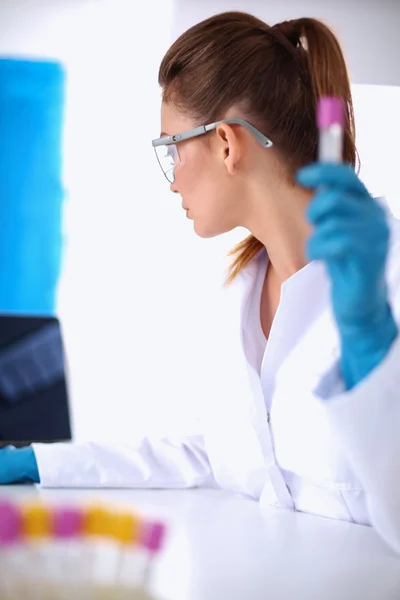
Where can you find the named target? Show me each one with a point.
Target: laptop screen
(33, 384)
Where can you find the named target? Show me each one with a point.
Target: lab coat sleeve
(366, 421)
(151, 463)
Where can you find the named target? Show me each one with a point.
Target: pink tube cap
(10, 524)
(67, 523)
(153, 536)
(330, 111)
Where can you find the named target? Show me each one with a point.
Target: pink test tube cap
(67, 522)
(153, 536)
(10, 524)
(330, 111)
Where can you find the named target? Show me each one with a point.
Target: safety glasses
(167, 151)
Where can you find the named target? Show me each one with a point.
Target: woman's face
(211, 194)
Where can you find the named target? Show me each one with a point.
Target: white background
(137, 287)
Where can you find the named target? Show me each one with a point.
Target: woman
(314, 426)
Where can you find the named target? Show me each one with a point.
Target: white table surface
(222, 547)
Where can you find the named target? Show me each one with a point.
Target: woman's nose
(173, 188)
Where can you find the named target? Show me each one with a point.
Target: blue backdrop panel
(31, 195)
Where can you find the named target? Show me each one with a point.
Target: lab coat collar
(303, 296)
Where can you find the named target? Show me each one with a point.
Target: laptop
(34, 403)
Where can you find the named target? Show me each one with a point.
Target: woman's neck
(279, 223)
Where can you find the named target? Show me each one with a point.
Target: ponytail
(328, 74)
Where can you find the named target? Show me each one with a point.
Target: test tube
(36, 532)
(152, 539)
(10, 556)
(67, 551)
(330, 121)
(125, 533)
(99, 555)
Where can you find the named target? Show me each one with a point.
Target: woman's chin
(204, 231)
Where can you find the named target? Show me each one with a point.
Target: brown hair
(276, 74)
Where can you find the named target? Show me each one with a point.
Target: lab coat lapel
(304, 297)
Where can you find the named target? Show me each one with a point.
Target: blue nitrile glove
(18, 465)
(351, 237)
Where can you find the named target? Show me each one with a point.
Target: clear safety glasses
(168, 157)
(167, 151)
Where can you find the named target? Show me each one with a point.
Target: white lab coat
(294, 438)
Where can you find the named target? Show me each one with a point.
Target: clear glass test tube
(330, 121)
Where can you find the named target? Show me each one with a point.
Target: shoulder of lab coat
(366, 419)
(151, 463)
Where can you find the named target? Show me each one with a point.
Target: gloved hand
(18, 465)
(351, 236)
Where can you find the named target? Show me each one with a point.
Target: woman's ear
(229, 144)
